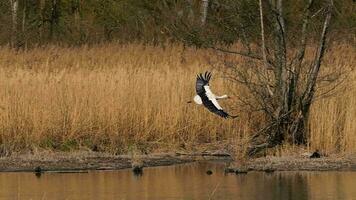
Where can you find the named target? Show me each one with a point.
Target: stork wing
(212, 104)
(207, 97)
(201, 82)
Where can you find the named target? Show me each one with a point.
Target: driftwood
(204, 154)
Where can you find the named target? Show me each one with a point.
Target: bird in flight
(207, 98)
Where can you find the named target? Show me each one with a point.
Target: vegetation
(109, 98)
(26, 23)
(280, 79)
(92, 73)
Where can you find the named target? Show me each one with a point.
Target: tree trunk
(14, 10)
(76, 11)
(190, 10)
(290, 119)
(308, 95)
(204, 11)
(54, 19)
(23, 28)
(41, 5)
(24, 16)
(281, 76)
(263, 36)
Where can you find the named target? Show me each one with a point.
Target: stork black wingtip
(201, 77)
(207, 76)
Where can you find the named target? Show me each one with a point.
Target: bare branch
(306, 18)
(263, 37)
(296, 68)
(309, 91)
(265, 62)
(241, 53)
(317, 12)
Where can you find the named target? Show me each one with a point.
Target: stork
(207, 98)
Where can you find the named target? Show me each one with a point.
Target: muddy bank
(299, 163)
(99, 161)
(85, 161)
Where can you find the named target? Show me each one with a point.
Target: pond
(186, 182)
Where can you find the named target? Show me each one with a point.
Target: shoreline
(62, 162)
(85, 161)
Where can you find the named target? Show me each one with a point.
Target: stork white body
(212, 97)
(206, 97)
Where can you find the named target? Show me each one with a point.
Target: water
(188, 181)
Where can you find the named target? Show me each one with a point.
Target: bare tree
(284, 86)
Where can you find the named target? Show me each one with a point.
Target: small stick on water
(213, 192)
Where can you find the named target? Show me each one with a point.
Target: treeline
(75, 22)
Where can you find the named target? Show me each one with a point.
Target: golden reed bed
(114, 97)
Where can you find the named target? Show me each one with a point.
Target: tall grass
(113, 97)
(333, 118)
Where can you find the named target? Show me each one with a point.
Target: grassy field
(117, 97)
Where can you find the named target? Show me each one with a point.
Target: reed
(113, 97)
(333, 117)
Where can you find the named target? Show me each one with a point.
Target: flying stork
(207, 98)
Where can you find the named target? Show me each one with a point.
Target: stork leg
(222, 97)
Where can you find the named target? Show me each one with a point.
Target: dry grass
(333, 118)
(111, 97)
(114, 97)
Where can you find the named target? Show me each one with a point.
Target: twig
(246, 54)
(213, 192)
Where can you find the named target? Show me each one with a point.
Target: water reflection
(189, 181)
